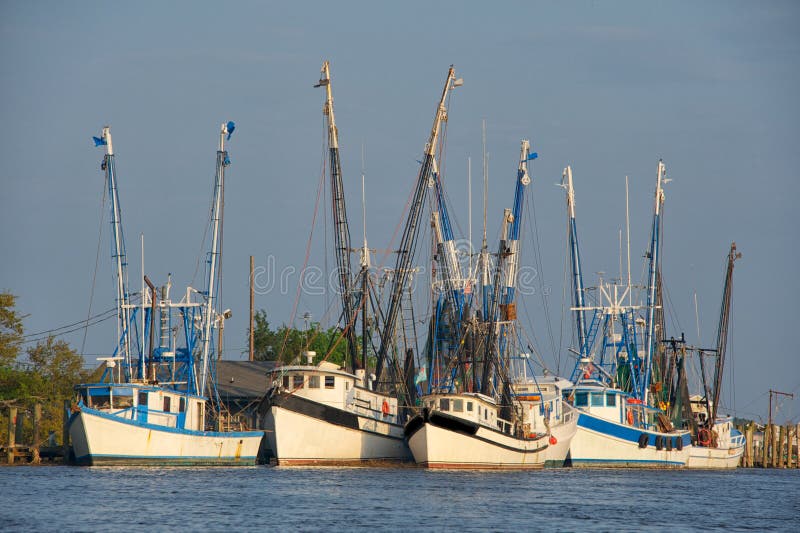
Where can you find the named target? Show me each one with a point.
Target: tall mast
(118, 249)
(722, 331)
(341, 230)
(512, 244)
(216, 222)
(649, 341)
(408, 241)
(445, 242)
(483, 260)
(575, 262)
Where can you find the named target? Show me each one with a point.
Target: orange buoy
(385, 408)
(553, 440)
(630, 417)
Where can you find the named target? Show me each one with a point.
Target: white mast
(215, 222)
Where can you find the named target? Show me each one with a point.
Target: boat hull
(601, 443)
(99, 438)
(303, 432)
(715, 458)
(557, 455)
(456, 447)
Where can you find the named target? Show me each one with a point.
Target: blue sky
(607, 87)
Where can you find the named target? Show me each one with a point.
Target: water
(57, 498)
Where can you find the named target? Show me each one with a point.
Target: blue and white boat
(616, 424)
(151, 406)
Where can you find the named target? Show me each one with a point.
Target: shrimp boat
(617, 427)
(150, 407)
(481, 412)
(544, 409)
(323, 414)
(717, 443)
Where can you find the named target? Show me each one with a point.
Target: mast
(649, 341)
(575, 263)
(216, 223)
(408, 241)
(341, 230)
(483, 258)
(445, 241)
(722, 330)
(117, 250)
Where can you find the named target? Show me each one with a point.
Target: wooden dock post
(779, 447)
(65, 431)
(797, 444)
(765, 446)
(12, 426)
(37, 421)
(789, 435)
(748, 446)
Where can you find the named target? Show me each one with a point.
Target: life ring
(630, 417)
(553, 440)
(643, 440)
(385, 408)
(704, 437)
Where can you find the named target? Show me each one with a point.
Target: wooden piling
(748, 446)
(12, 426)
(779, 447)
(37, 420)
(775, 446)
(65, 431)
(765, 445)
(789, 434)
(797, 444)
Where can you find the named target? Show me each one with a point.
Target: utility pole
(252, 309)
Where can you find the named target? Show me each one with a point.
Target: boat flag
(533, 155)
(98, 141)
(230, 127)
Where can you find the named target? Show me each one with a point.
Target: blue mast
(575, 263)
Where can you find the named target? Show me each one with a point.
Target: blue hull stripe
(598, 462)
(626, 433)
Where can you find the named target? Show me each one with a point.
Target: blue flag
(532, 156)
(230, 126)
(99, 142)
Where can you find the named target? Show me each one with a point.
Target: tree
(58, 364)
(287, 344)
(10, 330)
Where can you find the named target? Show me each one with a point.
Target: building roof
(242, 379)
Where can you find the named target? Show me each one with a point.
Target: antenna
(628, 236)
(469, 217)
(485, 179)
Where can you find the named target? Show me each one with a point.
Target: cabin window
(313, 382)
(444, 404)
(469, 407)
(297, 381)
(611, 399)
(99, 398)
(142, 399)
(330, 382)
(285, 382)
(581, 399)
(597, 399)
(123, 401)
(182, 405)
(167, 404)
(458, 406)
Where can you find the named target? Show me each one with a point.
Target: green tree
(10, 329)
(286, 344)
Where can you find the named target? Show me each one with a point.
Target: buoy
(630, 417)
(553, 440)
(385, 408)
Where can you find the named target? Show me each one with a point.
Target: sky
(606, 87)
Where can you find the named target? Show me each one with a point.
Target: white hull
(301, 439)
(437, 447)
(711, 458)
(556, 454)
(603, 443)
(102, 439)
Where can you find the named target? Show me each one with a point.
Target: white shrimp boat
(465, 431)
(322, 415)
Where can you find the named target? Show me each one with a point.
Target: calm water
(305, 499)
